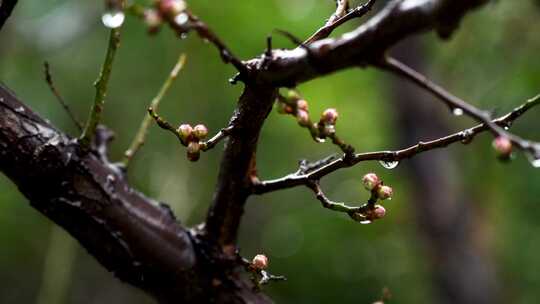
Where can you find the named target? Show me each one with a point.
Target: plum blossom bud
(503, 147)
(302, 104)
(171, 8)
(200, 131)
(371, 181)
(152, 19)
(329, 116)
(260, 262)
(303, 118)
(184, 130)
(379, 212)
(293, 96)
(193, 151)
(384, 192)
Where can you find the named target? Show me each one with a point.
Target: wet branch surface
(138, 238)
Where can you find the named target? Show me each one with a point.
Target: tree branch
(303, 177)
(6, 8)
(457, 105)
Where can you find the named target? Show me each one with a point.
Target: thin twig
(54, 90)
(315, 173)
(204, 145)
(456, 104)
(140, 137)
(334, 23)
(101, 86)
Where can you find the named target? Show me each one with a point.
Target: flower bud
(303, 118)
(185, 131)
(378, 212)
(329, 116)
(503, 147)
(260, 262)
(200, 131)
(371, 181)
(193, 151)
(302, 104)
(293, 96)
(171, 8)
(384, 192)
(152, 19)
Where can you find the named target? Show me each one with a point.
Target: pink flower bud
(185, 131)
(303, 118)
(384, 192)
(193, 151)
(302, 104)
(200, 131)
(260, 262)
(152, 19)
(371, 181)
(329, 116)
(379, 212)
(503, 147)
(171, 8)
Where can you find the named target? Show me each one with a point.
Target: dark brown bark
(134, 237)
(138, 239)
(462, 273)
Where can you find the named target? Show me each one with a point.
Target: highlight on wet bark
(140, 137)
(191, 137)
(101, 85)
(325, 128)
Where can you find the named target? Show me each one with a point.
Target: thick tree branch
(135, 237)
(6, 7)
(238, 164)
(304, 177)
(365, 45)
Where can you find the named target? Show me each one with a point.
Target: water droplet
(457, 111)
(181, 19)
(366, 222)
(113, 19)
(320, 140)
(506, 128)
(466, 136)
(183, 35)
(19, 110)
(535, 161)
(389, 164)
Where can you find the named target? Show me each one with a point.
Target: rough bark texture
(462, 273)
(139, 239)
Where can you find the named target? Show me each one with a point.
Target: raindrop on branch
(457, 111)
(113, 19)
(535, 161)
(389, 164)
(366, 222)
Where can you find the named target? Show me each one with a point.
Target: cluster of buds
(379, 191)
(259, 262)
(294, 104)
(503, 147)
(172, 11)
(192, 137)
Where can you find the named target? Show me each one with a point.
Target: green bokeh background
(492, 61)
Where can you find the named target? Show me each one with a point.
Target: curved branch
(304, 177)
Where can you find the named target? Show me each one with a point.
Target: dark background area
(460, 200)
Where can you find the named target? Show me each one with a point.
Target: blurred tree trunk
(461, 270)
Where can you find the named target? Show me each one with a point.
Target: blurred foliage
(492, 61)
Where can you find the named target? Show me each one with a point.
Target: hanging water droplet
(181, 19)
(535, 161)
(457, 111)
(366, 222)
(183, 35)
(389, 164)
(320, 140)
(113, 19)
(19, 110)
